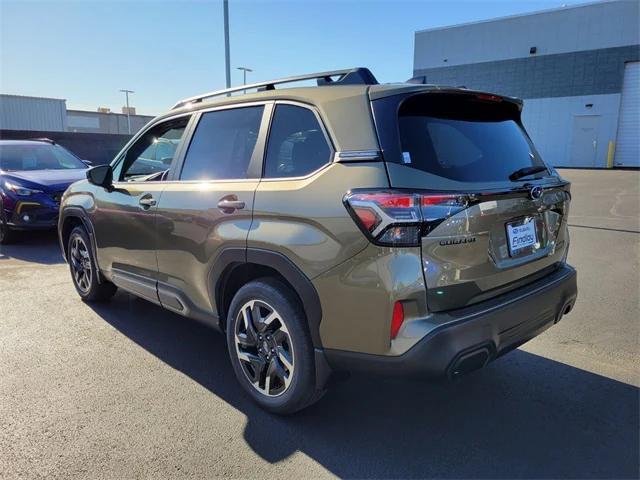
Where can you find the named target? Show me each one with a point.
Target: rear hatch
(500, 221)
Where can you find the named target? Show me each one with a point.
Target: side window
(223, 144)
(297, 145)
(150, 157)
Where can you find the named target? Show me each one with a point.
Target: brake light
(438, 199)
(489, 98)
(397, 319)
(398, 218)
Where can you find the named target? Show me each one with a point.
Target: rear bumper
(469, 338)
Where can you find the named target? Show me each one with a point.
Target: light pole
(244, 74)
(126, 94)
(225, 5)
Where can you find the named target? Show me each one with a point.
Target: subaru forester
(403, 229)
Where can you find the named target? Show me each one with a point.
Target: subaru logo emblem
(535, 193)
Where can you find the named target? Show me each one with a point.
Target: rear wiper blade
(525, 172)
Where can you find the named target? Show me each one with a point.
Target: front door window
(150, 158)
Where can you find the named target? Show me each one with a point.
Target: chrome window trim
(232, 106)
(357, 156)
(206, 181)
(305, 177)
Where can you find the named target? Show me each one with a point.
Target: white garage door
(628, 144)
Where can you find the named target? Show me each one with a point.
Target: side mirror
(88, 163)
(102, 176)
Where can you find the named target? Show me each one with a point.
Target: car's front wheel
(83, 269)
(7, 235)
(270, 347)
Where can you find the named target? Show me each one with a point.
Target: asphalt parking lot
(127, 390)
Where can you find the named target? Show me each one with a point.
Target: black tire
(7, 235)
(80, 256)
(301, 390)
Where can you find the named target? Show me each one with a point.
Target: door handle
(230, 204)
(147, 201)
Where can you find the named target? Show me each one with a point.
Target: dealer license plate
(521, 236)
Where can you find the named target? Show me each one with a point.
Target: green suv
(404, 229)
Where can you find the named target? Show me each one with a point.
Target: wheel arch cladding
(70, 222)
(236, 266)
(70, 219)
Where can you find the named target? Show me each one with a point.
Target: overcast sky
(167, 50)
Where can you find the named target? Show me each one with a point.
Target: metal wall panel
(99, 122)
(628, 143)
(590, 72)
(571, 29)
(32, 113)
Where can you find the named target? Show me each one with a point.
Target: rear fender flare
(285, 267)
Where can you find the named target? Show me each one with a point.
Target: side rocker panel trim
(174, 299)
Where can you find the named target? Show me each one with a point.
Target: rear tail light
(398, 218)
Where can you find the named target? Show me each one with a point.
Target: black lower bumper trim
(32, 226)
(471, 337)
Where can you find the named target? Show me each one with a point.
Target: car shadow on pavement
(522, 416)
(35, 247)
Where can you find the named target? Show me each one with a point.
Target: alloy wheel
(264, 348)
(81, 264)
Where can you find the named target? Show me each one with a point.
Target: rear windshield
(465, 139)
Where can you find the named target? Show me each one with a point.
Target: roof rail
(350, 76)
(43, 139)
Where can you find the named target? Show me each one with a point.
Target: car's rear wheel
(83, 269)
(270, 347)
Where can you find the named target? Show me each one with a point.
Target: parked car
(33, 176)
(403, 229)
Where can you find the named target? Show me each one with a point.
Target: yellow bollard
(612, 149)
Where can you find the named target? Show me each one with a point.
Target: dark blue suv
(33, 176)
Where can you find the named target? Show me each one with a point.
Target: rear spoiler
(488, 96)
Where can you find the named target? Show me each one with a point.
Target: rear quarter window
(297, 145)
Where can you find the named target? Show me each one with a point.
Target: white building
(577, 69)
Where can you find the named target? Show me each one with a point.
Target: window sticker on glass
(488, 206)
(406, 157)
